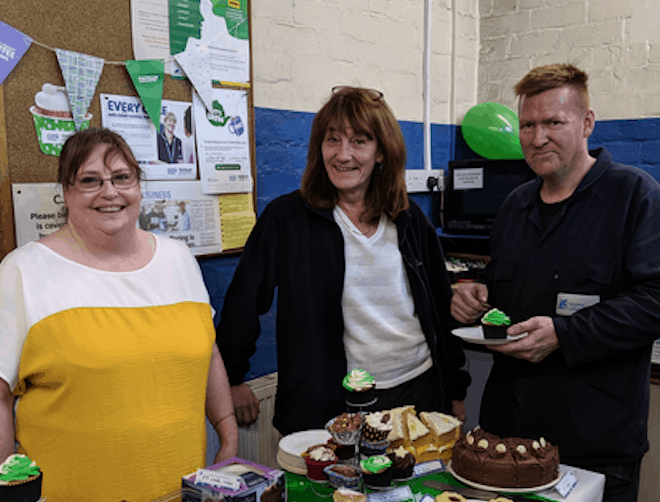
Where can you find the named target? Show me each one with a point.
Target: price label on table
(428, 467)
(396, 495)
(566, 484)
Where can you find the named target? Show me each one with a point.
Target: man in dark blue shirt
(575, 263)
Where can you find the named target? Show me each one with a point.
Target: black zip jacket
(591, 396)
(300, 251)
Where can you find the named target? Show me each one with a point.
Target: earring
(379, 166)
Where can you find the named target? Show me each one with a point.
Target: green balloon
(492, 130)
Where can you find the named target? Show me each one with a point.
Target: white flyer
(180, 211)
(150, 29)
(166, 154)
(223, 142)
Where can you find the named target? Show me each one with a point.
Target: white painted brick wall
(616, 41)
(302, 48)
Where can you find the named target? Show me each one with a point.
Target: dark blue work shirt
(602, 249)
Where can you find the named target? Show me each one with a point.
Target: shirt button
(556, 276)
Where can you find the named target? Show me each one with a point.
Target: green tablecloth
(301, 489)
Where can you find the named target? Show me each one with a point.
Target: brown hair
(79, 146)
(367, 113)
(543, 78)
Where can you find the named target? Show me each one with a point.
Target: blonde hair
(543, 78)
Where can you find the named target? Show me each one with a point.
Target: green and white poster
(223, 142)
(219, 28)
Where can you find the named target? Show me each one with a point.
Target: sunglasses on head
(373, 93)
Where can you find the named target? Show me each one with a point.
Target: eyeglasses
(122, 181)
(373, 93)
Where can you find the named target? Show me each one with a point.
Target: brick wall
(616, 42)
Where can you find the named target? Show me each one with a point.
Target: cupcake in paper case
(20, 480)
(345, 451)
(53, 119)
(360, 387)
(343, 476)
(376, 470)
(494, 324)
(377, 426)
(317, 458)
(370, 448)
(402, 463)
(345, 429)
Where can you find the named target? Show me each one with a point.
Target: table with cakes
(405, 455)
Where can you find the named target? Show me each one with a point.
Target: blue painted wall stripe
(281, 138)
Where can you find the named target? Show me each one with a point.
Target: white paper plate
(291, 447)
(479, 486)
(475, 334)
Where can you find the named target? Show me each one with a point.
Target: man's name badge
(568, 303)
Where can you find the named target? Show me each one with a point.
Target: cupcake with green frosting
(20, 480)
(360, 387)
(376, 470)
(494, 324)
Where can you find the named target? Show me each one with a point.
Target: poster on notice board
(164, 154)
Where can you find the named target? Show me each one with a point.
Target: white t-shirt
(382, 333)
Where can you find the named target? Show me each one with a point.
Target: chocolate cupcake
(376, 470)
(377, 426)
(20, 479)
(345, 451)
(343, 476)
(402, 463)
(346, 428)
(494, 324)
(360, 387)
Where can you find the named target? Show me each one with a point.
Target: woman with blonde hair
(360, 276)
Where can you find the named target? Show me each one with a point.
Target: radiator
(259, 442)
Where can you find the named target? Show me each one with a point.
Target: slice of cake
(417, 434)
(430, 452)
(397, 436)
(445, 428)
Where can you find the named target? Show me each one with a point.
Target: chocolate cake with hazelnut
(512, 462)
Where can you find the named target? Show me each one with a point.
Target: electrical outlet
(417, 180)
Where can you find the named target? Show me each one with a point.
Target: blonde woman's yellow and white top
(110, 370)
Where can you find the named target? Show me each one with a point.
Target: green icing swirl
(357, 380)
(496, 317)
(17, 468)
(375, 464)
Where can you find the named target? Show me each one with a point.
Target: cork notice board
(94, 27)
